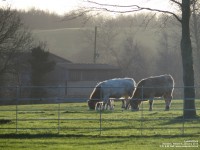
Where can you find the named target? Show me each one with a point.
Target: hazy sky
(62, 6)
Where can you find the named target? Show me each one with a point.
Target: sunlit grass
(74, 126)
(75, 118)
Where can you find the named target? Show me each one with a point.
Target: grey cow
(154, 86)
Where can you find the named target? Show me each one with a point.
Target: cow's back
(117, 87)
(154, 86)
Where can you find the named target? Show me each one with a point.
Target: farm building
(66, 80)
(76, 79)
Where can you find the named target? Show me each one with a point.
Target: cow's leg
(105, 102)
(111, 104)
(123, 103)
(104, 107)
(150, 104)
(127, 103)
(99, 106)
(168, 99)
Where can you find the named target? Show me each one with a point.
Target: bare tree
(187, 61)
(133, 59)
(186, 46)
(195, 23)
(14, 39)
(165, 53)
(169, 59)
(106, 35)
(195, 34)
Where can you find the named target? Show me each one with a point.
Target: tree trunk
(187, 61)
(196, 37)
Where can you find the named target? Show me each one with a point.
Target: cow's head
(92, 104)
(135, 104)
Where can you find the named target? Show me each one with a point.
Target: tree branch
(176, 2)
(132, 8)
(74, 15)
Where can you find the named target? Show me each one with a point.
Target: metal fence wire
(62, 111)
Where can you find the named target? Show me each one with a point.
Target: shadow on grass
(72, 112)
(35, 136)
(181, 119)
(5, 121)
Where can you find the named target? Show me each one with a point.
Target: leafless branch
(176, 2)
(131, 8)
(149, 20)
(74, 15)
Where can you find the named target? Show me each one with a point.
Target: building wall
(76, 83)
(79, 88)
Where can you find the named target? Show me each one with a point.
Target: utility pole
(95, 45)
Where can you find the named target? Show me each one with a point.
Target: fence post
(100, 112)
(183, 119)
(59, 89)
(141, 123)
(183, 125)
(16, 113)
(100, 120)
(58, 117)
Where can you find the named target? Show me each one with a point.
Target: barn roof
(79, 66)
(66, 64)
(58, 59)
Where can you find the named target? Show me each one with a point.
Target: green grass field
(73, 126)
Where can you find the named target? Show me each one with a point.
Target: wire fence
(62, 113)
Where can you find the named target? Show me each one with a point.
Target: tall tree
(195, 34)
(40, 65)
(189, 110)
(14, 39)
(187, 61)
(195, 26)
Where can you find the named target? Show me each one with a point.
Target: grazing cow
(113, 88)
(156, 86)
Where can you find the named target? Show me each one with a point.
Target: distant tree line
(39, 19)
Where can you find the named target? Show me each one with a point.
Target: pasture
(73, 126)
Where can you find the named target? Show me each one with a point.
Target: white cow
(113, 88)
